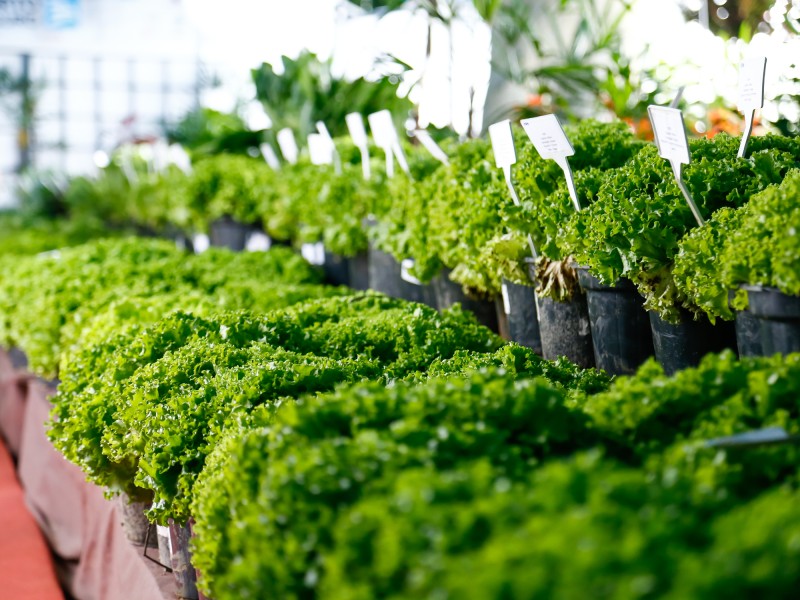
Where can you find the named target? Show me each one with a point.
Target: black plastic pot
(350, 271)
(681, 345)
(227, 233)
(523, 320)
(564, 330)
(748, 334)
(621, 333)
(449, 293)
(336, 269)
(779, 317)
(385, 276)
(359, 271)
(502, 319)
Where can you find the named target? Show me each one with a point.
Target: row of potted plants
(605, 289)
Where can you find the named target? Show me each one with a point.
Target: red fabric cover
(26, 568)
(95, 559)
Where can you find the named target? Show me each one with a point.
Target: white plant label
(751, 83)
(505, 155)
(200, 243)
(751, 95)
(550, 141)
(385, 135)
(180, 158)
(258, 241)
(502, 139)
(670, 135)
(288, 145)
(405, 271)
(323, 131)
(382, 127)
(382, 137)
(431, 146)
(314, 253)
(319, 149)
(269, 156)
(506, 301)
(355, 125)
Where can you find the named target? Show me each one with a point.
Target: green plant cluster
(757, 244)
(24, 236)
(461, 216)
(494, 482)
(140, 410)
(47, 300)
(639, 216)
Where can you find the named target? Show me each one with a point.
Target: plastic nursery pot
(621, 334)
(134, 522)
(779, 319)
(358, 268)
(502, 318)
(227, 233)
(385, 276)
(449, 292)
(564, 327)
(523, 321)
(681, 345)
(181, 561)
(748, 334)
(336, 269)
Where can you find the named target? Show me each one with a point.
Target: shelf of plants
(324, 443)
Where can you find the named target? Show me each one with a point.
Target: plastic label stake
(431, 146)
(405, 271)
(757, 437)
(382, 134)
(506, 301)
(751, 95)
(269, 156)
(672, 145)
(288, 145)
(319, 149)
(337, 162)
(355, 125)
(505, 155)
(550, 141)
(314, 253)
(385, 136)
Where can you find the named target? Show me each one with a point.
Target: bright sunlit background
(102, 72)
